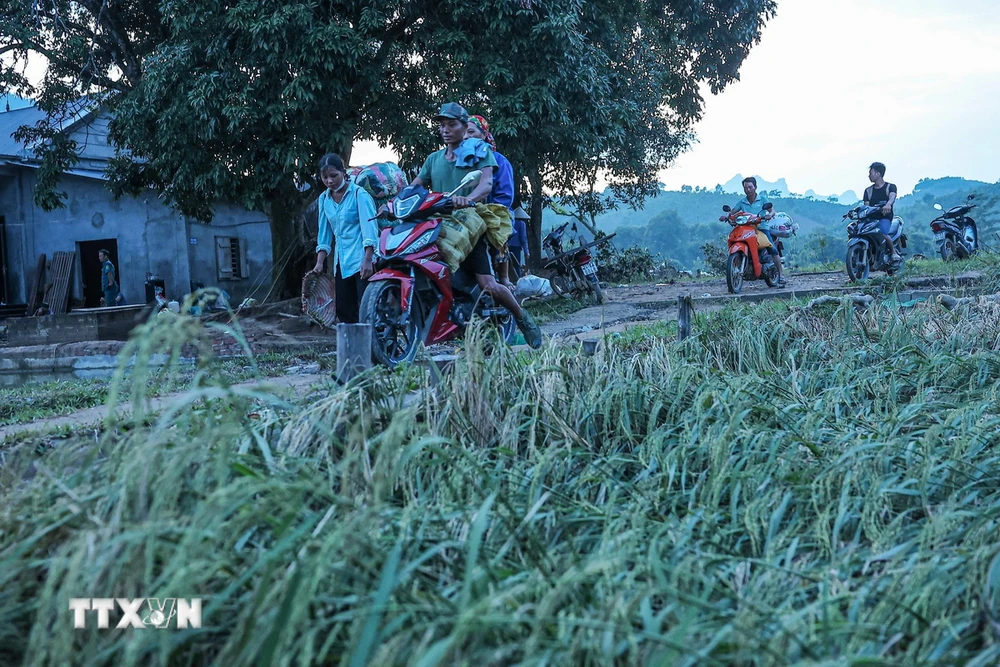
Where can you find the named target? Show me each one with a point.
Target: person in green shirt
(442, 171)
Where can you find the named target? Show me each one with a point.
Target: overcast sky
(835, 86)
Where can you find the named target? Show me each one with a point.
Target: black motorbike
(573, 271)
(866, 249)
(955, 233)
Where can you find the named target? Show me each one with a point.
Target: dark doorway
(90, 269)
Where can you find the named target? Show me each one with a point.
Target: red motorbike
(745, 260)
(413, 297)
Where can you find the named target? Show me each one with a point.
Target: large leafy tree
(91, 49)
(604, 90)
(239, 98)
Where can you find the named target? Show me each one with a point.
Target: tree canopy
(238, 98)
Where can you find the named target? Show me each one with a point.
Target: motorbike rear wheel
(595, 290)
(507, 327)
(949, 250)
(734, 272)
(392, 343)
(769, 272)
(857, 263)
(561, 284)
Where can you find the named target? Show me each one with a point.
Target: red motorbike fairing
(744, 239)
(405, 285)
(401, 241)
(442, 328)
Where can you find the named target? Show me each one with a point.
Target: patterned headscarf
(484, 127)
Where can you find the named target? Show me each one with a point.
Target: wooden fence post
(354, 350)
(684, 309)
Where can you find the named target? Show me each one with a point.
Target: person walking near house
(347, 228)
(109, 282)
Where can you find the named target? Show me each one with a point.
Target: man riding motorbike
(883, 194)
(753, 204)
(443, 171)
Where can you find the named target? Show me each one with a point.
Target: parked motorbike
(413, 297)
(866, 251)
(745, 260)
(955, 233)
(574, 271)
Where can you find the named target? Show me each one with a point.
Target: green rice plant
(787, 485)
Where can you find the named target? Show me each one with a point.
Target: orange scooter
(745, 261)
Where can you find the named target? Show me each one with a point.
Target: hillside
(674, 225)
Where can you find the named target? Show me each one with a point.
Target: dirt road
(628, 305)
(287, 385)
(649, 303)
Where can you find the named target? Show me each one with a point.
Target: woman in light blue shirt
(347, 228)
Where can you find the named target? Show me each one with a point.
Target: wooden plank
(35, 284)
(62, 268)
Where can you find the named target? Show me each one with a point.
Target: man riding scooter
(753, 204)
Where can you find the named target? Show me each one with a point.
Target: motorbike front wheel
(734, 272)
(393, 343)
(857, 262)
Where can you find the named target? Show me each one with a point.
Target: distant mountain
(735, 185)
(942, 187)
(849, 198)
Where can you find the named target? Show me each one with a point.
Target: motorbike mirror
(767, 207)
(472, 176)
(938, 207)
(727, 208)
(971, 197)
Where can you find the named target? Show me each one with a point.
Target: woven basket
(319, 299)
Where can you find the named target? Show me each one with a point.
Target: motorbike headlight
(742, 219)
(404, 207)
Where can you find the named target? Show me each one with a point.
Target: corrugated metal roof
(82, 172)
(9, 122)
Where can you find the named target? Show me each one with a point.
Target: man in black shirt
(883, 194)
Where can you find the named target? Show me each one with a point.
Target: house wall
(233, 221)
(151, 237)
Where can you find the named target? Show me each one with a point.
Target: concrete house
(144, 236)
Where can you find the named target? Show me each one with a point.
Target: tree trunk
(535, 224)
(291, 248)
